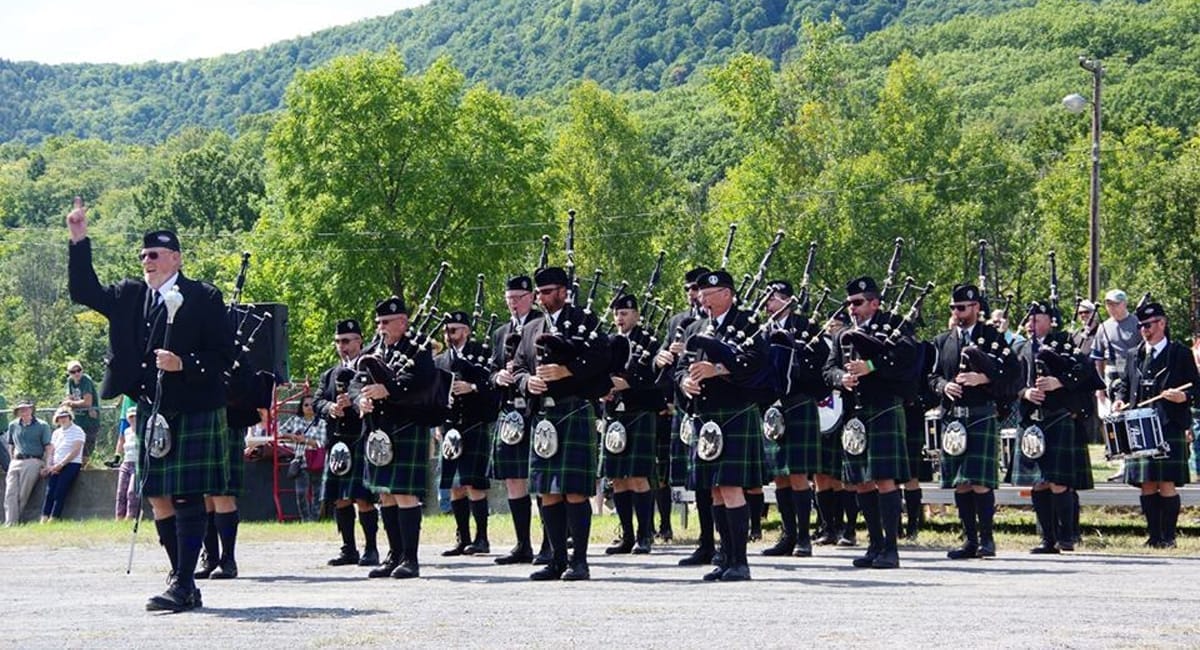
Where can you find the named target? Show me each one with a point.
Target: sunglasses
(959, 307)
(148, 255)
(346, 339)
(1148, 324)
(856, 302)
(75, 371)
(545, 291)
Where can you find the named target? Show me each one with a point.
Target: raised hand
(77, 221)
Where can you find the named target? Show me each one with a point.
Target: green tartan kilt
(1060, 462)
(741, 461)
(198, 462)
(509, 461)
(980, 463)
(572, 469)
(799, 450)
(409, 468)
(638, 458)
(832, 455)
(237, 464)
(1083, 458)
(350, 486)
(662, 448)
(886, 456)
(1172, 469)
(471, 468)
(681, 456)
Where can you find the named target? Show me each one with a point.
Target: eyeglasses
(960, 307)
(152, 255)
(855, 302)
(344, 340)
(1148, 324)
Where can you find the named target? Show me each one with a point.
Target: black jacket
(334, 381)
(749, 379)
(200, 336)
(643, 393)
(1172, 368)
(1077, 374)
(896, 373)
(501, 356)
(472, 408)
(1003, 369)
(587, 360)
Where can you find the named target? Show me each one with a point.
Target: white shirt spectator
(63, 440)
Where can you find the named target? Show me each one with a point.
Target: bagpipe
(247, 388)
(578, 329)
(797, 353)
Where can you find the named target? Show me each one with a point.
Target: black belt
(965, 412)
(28, 457)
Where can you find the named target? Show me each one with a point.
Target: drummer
(1163, 371)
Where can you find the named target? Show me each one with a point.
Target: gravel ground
(287, 597)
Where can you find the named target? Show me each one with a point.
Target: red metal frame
(278, 467)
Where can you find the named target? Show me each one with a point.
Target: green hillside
(515, 46)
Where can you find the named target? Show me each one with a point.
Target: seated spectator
(28, 442)
(304, 431)
(66, 459)
(128, 502)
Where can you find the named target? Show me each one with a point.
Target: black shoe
(911, 536)
(868, 560)
(551, 571)
(370, 557)
(577, 571)
(347, 558)
(408, 569)
(699, 557)
(226, 570)
(174, 599)
(784, 546)
(737, 573)
(967, 551)
(622, 547)
(478, 548)
(754, 536)
(385, 568)
(1045, 548)
(1166, 543)
(642, 547)
(206, 567)
(114, 462)
(665, 535)
(543, 557)
(803, 549)
(715, 574)
(825, 538)
(518, 555)
(457, 549)
(1066, 546)
(987, 548)
(847, 541)
(886, 560)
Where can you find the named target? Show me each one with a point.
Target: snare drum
(1116, 439)
(933, 432)
(1144, 433)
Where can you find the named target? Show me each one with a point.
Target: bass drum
(829, 410)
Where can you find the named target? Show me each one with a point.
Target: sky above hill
(135, 31)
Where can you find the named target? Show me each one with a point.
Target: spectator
(83, 398)
(28, 442)
(304, 431)
(1116, 336)
(128, 502)
(66, 456)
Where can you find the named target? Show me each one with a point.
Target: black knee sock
(554, 519)
(546, 546)
(579, 521)
(479, 512)
(227, 526)
(212, 541)
(462, 520)
(643, 506)
(410, 533)
(623, 503)
(189, 532)
(1074, 514)
(827, 503)
(522, 513)
(889, 515)
(1169, 507)
(965, 502)
(662, 497)
(755, 502)
(345, 525)
(1043, 509)
(1062, 507)
(721, 523)
(704, 513)
(985, 511)
(850, 503)
(169, 541)
(868, 502)
(787, 511)
(390, 516)
(912, 505)
(369, 520)
(737, 524)
(802, 502)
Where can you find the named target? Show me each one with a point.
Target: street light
(1076, 103)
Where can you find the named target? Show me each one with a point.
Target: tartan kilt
(350, 486)
(680, 474)
(799, 450)
(1083, 438)
(741, 461)
(980, 463)
(409, 468)
(641, 440)
(1173, 468)
(886, 456)
(471, 468)
(662, 449)
(198, 462)
(832, 455)
(509, 461)
(572, 469)
(914, 436)
(1060, 462)
(237, 464)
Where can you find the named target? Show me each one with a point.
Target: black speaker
(264, 332)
